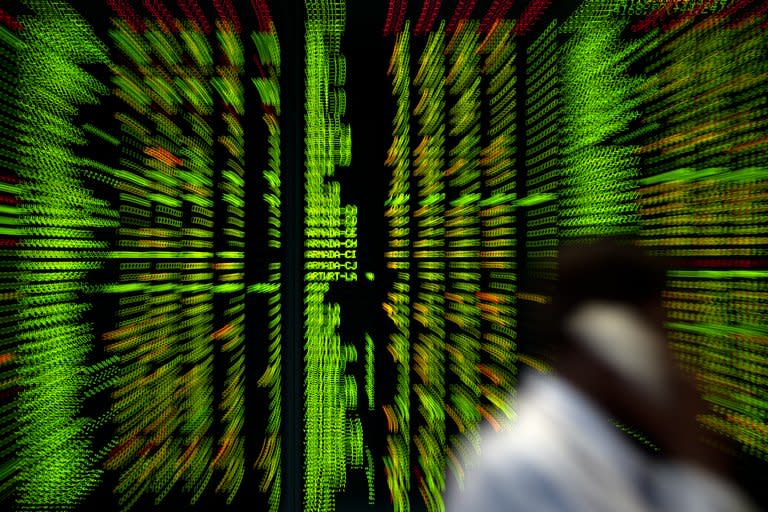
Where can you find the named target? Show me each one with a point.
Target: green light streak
(397, 458)
(599, 104)
(55, 461)
(333, 438)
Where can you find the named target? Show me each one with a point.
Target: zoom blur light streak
(598, 184)
(543, 165)
(429, 386)
(703, 205)
(11, 235)
(268, 57)
(455, 189)
(50, 218)
(182, 283)
(333, 431)
(498, 216)
(463, 251)
(230, 258)
(398, 303)
(647, 121)
(166, 251)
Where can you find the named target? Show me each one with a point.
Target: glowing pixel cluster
(611, 147)
(166, 205)
(451, 216)
(397, 306)
(598, 184)
(50, 247)
(543, 166)
(702, 203)
(150, 227)
(269, 57)
(181, 252)
(333, 432)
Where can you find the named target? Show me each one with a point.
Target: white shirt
(564, 455)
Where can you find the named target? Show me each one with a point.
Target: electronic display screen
(288, 255)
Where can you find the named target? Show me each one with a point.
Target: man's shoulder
(508, 474)
(526, 450)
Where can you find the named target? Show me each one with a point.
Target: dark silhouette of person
(610, 366)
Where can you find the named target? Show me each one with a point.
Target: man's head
(608, 270)
(608, 314)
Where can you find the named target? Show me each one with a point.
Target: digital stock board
(267, 255)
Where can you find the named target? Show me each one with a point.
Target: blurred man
(610, 364)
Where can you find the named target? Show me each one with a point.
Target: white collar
(583, 424)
